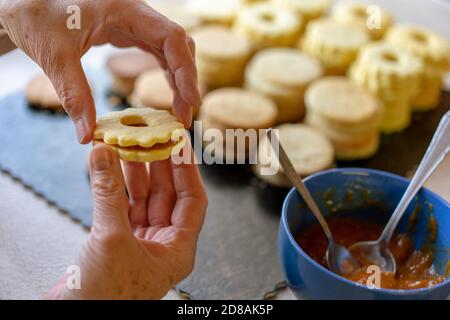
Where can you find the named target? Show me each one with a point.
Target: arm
(46, 32)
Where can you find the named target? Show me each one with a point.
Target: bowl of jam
(357, 204)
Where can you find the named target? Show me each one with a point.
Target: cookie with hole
(142, 135)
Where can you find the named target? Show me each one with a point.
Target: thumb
(108, 192)
(74, 91)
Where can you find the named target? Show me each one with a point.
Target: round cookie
(239, 108)
(308, 149)
(267, 25)
(334, 44)
(125, 67)
(214, 12)
(434, 52)
(392, 75)
(343, 105)
(41, 94)
(306, 9)
(423, 43)
(152, 90)
(180, 15)
(386, 71)
(221, 56)
(267, 74)
(373, 18)
(142, 135)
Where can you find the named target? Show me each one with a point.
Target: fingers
(137, 181)
(73, 89)
(156, 31)
(192, 201)
(162, 194)
(108, 192)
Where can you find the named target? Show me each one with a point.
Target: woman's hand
(142, 245)
(39, 28)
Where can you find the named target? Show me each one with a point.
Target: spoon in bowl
(377, 252)
(338, 258)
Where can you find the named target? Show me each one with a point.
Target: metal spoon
(339, 259)
(377, 252)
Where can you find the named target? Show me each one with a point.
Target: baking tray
(237, 254)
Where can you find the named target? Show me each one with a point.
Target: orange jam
(414, 267)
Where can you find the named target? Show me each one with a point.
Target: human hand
(39, 28)
(139, 246)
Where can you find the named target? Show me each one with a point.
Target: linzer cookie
(267, 25)
(142, 135)
(306, 9)
(334, 44)
(374, 19)
(393, 76)
(434, 51)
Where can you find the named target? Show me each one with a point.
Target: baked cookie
(125, 67)
(306, 9)
(347, 114)
(152, 90)
(238, 108)
(221, 56)
(392, 75)
(268, 75)
(142, 135)
(308, 149)
(434, 52)
(373, 18)
(214, 12)
(178, 14)
(334, 44)
(41, 94)
(234, 108)
(267, 25)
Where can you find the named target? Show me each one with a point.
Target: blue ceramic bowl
(378, 193)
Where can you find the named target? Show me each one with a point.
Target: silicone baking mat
(237, 254)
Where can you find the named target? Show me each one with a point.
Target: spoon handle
(436, 152)
(295, 179)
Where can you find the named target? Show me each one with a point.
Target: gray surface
(237, 254)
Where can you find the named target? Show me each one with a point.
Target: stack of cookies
(233, 108)
(221, 56)
(178, 14)
(334, 44)
(214, 11)
(283, 74)
(41, 94)
(434, 51)
(126, 67)
(308, 149)
(152, 90)
(374, 19)
(392, 75)
(347, 114)
(268, 25)
(306, 9)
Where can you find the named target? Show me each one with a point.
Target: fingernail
(81, 130)
(102, 160)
